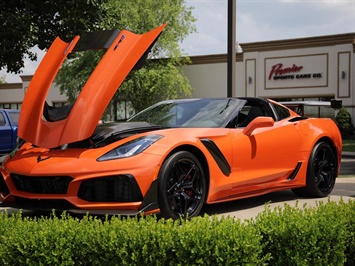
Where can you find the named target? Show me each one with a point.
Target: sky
(256, 21)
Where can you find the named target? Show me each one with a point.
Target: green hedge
(324, 235)
(309, 236)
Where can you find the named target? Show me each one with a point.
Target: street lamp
(231, 39)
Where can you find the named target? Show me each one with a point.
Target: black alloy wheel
(321, 172)
(181, 187)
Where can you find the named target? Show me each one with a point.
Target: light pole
(231, 39)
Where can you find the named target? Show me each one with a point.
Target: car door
(265, 158)
(5, 134)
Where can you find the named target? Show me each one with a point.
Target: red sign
(277, 70)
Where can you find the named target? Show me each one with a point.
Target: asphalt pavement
(347, 166)
(249, 208)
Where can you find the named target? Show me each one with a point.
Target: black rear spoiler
(299, 105)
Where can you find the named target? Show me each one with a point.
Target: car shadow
(345, 188)
(248, 203)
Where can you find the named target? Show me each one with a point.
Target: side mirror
(259, 122)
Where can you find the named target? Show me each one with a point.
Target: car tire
(321, 172)
(181, 186)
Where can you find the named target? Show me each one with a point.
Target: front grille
(42, 184)
(3, 187)
(121, 188)
(42, 204)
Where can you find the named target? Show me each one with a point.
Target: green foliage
(324, 235)
(25, 24)
(212, 241)
(157, 81)
(75, 72)
(306, 236)
(343, 120)
(161, 78)
(349, 214)
(349, 145)
(117, 241)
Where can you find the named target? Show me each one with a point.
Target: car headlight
(130, 148)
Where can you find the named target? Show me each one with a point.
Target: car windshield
(191, 113)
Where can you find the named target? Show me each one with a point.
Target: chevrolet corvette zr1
(172, 158)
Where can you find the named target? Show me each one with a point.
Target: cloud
(257, 20)
(264, 20)
(294, 19)
(29, 67)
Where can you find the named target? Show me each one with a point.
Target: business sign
(296, 71)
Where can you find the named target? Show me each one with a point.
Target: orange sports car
(171, 158)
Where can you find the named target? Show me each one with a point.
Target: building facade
(12, 94)
(315, 68)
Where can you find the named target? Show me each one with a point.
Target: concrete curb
(348, 154)
(348, 180)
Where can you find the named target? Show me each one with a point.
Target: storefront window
(311, 111)
(59, 104)
(15, 106)
(124, 110)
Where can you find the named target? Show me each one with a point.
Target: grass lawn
(349, 145)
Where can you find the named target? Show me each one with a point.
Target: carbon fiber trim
(295, 171)
(217, 156)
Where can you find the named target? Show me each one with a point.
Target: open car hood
(50, 127)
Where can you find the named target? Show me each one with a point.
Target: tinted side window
(14, 116)
(281, 111)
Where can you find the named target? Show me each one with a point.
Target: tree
(162, 77)
(2, 79)
(26, 23)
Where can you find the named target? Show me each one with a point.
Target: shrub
(324, 235)
(348, 211)
(310, 236)
(343, 120)
(90, 241)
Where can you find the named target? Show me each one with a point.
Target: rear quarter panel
(314, 130)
